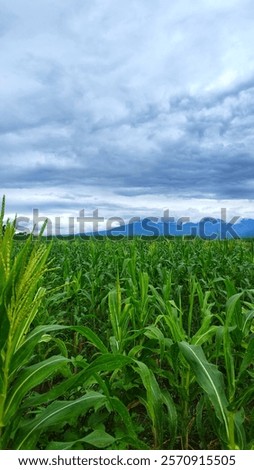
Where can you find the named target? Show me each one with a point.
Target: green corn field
(126, 344)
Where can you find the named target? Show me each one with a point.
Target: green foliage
(127, 344)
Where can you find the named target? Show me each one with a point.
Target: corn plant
(20, 298)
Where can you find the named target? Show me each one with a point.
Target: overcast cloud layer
(129, 107)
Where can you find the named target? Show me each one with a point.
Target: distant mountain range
(206, 228)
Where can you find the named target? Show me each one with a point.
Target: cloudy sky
(130, 107)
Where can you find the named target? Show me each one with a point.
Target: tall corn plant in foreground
(20, 299)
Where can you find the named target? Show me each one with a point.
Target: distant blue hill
(206, 228)
(245, 228)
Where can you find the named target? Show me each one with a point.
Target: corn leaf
(97, 438)
(57, 414)
(209, 378)
(29, 378)
(25, 351)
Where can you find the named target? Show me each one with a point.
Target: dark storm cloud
(198, 148)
